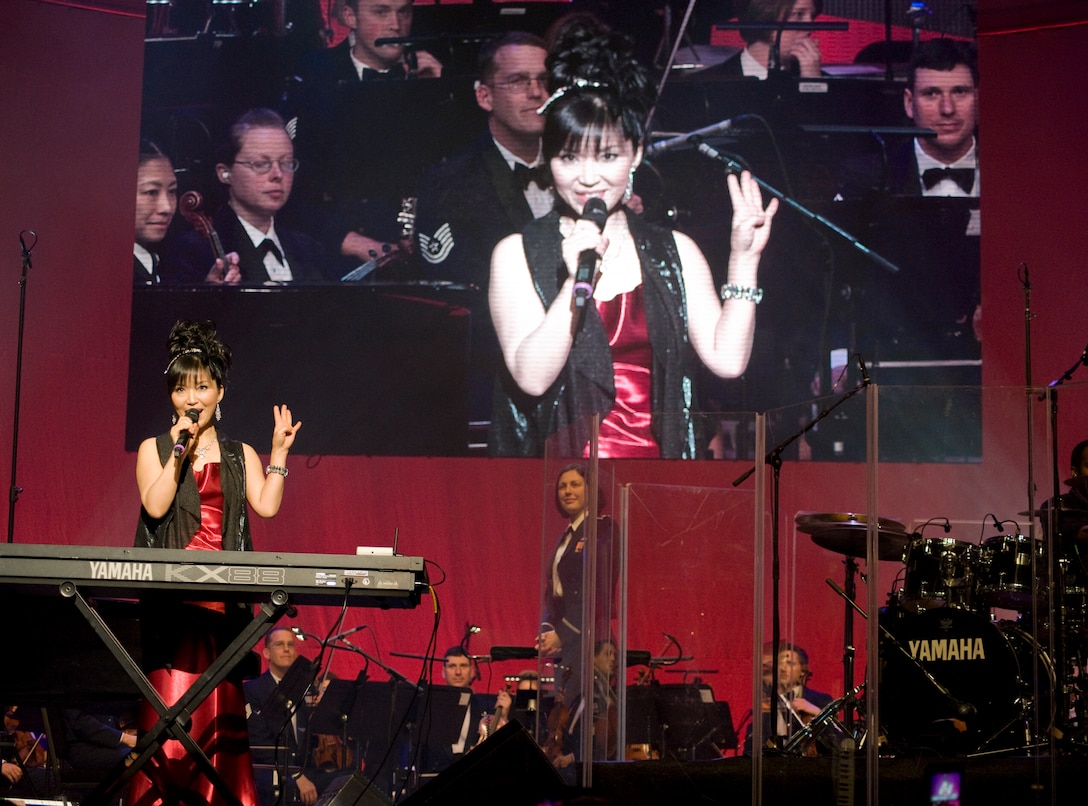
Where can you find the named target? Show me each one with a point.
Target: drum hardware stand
(826, 722)
(774, 460)
(1054, 512)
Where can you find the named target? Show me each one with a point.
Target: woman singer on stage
(630, 354)
(194, 495)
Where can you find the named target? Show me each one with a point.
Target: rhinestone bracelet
(746, 293)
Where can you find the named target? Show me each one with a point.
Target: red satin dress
(625, 430)
(219, 723)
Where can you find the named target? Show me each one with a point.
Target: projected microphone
(864, 372)
(183, 437)
(693, 137)
(597, 212)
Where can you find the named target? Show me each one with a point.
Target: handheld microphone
(597, 212)
(183, 437)
(692, 137)
(864, 372)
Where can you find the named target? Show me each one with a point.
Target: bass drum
(989, 670)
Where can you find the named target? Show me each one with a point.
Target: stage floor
(903, 781)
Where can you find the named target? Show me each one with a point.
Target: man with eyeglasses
(491, 189)
(258, 168)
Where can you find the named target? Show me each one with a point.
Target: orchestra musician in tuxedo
(156, 203)
(798, 52)
(941, 95)
(458, 672)
(492, 188)
(257, 165)
(789, 703)
(281, 750)
(354, 217)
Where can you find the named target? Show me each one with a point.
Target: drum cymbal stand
(826, 728)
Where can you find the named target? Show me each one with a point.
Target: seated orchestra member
(23, 768)
(942, 95)
(798, 52)
(789, 702)
(258, 167)
(510, 705)
(354, 216)
(490, 189)
(457, 671)
(281, 749)
(93, 742)
(156, 203)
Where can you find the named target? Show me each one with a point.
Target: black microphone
(964, 710)
(353, 630)
(864, 372)
(997, 524)
(693, 137)
(597, 212)
(183, 437)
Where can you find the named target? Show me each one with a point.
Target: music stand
(331, 715)
(643, 720)
(443, 718)
(286, 697)
(380, 720)
(687, 717)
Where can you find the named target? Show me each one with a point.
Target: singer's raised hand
(285, 429)
(751, 225)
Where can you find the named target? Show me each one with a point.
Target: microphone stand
(774, 460)
(734, 166)
(1054, 512)
(13, 493)
(393, 673)
(963, 710)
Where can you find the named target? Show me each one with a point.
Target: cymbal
(852, 541)
(846, 533)
(812, 522)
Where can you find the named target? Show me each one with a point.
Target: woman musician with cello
(244, 243)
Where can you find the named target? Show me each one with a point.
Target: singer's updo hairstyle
(596, 84)
(194, 346)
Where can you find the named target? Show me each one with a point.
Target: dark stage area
(903, 781)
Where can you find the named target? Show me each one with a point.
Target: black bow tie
(268, 247)
(392, 74)
(523, 175)
(964, 177)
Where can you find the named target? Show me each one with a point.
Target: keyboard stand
(173, 721)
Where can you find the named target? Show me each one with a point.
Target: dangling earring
(174, 418)
(218, 413)
(629, 191)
